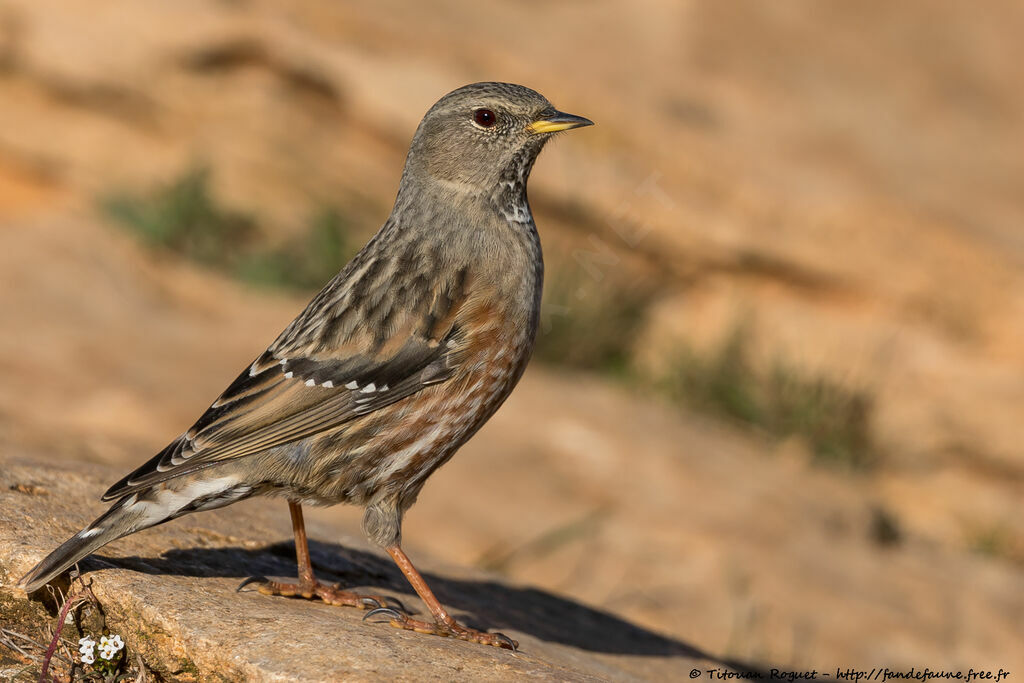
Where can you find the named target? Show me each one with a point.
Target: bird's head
(484, 135)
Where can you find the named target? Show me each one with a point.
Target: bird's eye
(484, 118)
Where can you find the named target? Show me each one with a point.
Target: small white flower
(112, 641)
(109, 647)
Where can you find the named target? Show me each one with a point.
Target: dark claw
(390, 612)
(252, 579)
(367, 600)
(395, 602)
(512, 644)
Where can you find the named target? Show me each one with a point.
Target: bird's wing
(322, 372)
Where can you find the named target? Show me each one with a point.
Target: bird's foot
(332, 595)
(446, 629)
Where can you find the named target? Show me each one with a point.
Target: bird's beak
(557, 122)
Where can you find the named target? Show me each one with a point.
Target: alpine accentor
(389, 369)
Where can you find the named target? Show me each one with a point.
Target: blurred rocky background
(776, 407)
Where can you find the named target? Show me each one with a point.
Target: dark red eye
(484, 117)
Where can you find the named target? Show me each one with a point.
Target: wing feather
(301, 387)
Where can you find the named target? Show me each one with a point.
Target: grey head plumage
(480, 137)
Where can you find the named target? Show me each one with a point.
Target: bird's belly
(390, 453)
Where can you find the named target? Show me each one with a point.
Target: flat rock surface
(171, 592)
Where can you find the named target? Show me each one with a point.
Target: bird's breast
(391, 452)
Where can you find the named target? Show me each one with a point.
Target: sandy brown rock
(845, 174)
(171, 592)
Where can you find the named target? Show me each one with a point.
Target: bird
(389, 369)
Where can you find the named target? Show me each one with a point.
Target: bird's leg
(444, 624)
(308, 587)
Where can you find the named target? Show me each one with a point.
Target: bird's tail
(124, 517)
(135, 512)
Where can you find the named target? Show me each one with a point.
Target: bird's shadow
(546, 616)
